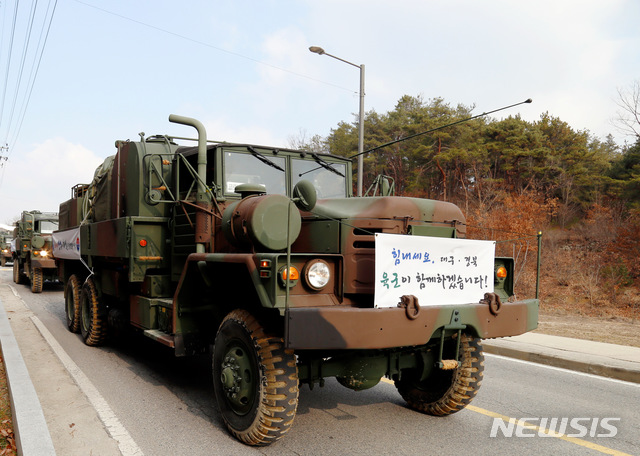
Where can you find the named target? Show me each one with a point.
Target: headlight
(317, 274)
(43, 253)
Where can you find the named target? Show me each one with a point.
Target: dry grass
(7, 439)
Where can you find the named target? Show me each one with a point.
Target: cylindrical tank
(262, 221)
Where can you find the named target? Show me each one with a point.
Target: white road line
(127, 445)
(14, 291)
(560, 369)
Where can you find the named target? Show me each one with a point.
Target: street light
(320, 51)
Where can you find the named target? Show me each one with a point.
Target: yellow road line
(574, 440)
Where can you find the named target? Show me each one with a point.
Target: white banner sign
(66, 244)
(437, 271)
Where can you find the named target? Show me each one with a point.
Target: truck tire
(255, 380)
(446, 391)
(17, 274)
(93, 318)
(36, 280)
(72, 303)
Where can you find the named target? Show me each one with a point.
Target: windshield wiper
(264, 159)
(326, 165)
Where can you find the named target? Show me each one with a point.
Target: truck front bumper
(329, 328)
(44, 263)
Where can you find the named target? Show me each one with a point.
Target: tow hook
(493, 300)
(454, 325)
(411, 306)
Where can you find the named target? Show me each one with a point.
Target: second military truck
(6, 241)
(262, 258)
(32, 258)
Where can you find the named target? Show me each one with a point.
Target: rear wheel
(93, 318)
(72, 303)
(36, 280)
(446, 391)
(255, 380)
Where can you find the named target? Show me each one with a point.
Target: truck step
(160, 336)
(447, 364)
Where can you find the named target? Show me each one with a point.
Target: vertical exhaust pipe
(203, 219)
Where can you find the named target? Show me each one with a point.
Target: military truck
(5, 249)
(262, 258)
(32, 258)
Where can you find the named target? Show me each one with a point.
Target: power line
(6, 77)
(37, 67)
(27, 40)
(18, 110)
(39, 51)
(202, 43)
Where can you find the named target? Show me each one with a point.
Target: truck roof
(192, 150)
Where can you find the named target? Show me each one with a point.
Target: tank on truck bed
(32, 258)
(263, 258)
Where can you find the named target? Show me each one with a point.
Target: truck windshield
(328, 184)
(242, 168)
(48, 226)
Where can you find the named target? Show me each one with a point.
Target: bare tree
(627, 117)
(301, 141)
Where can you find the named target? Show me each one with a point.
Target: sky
(95, 72)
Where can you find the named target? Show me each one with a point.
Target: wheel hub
(237, 379)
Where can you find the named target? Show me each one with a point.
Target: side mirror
(386, 187)
(304, 195)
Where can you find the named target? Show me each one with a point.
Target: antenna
(528, 100)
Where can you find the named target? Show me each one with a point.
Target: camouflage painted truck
(262, 258)
(32, 259)
(5, 249)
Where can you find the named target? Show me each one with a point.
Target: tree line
(475, 162)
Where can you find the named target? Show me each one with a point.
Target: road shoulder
(598, 358)
(73, 423)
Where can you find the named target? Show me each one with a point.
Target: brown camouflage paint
(351, 328)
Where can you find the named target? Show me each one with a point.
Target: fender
(197, 272)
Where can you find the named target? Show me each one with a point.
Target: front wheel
(446, 391)
(17, 274)
(255, 380)
(36, 280)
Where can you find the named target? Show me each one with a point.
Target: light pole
(320, 51)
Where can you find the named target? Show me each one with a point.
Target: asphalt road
(166, 404)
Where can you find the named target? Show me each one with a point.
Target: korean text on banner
(66, 244)
(438, 271)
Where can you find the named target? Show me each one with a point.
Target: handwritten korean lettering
(395, 281)
(399, 256)
(452, 281)
(385, 280)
